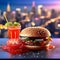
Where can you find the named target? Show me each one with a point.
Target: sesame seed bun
(35, 32)
(35, 47)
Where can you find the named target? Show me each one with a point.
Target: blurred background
(45, 13)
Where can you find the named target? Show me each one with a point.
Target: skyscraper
(8, 8)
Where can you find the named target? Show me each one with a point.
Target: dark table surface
(51, 53)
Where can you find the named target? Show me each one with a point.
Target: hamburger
(35, 38)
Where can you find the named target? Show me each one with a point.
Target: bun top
(35, 32)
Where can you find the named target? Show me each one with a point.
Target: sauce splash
(15, 48)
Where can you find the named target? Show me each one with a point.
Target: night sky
(50, 4)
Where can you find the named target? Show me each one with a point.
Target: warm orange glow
(58, 25)
(48, 14)
(24, 14)
(32, 23)
(39, 9)
(4, 13)
(52, 20)
(42, 17)
(56, 33)
(27, 19)
(1, 26)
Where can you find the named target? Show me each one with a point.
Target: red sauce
(50, 46)
(15, 48)
(14, 51)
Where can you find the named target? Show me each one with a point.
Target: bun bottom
(35, 47)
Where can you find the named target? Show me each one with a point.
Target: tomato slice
(42, 43)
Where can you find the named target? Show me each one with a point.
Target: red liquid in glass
(13, 32)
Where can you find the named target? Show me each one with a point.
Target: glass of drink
(13, 32)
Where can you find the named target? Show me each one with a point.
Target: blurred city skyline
(49, 4)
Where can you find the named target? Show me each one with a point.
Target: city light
(32, 23)
(58, 25)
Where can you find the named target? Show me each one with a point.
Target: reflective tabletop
(51, 53)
